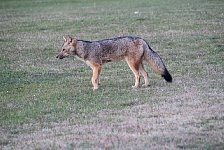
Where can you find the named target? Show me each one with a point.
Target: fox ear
(74, 41)
(69, 39)
(64, 38)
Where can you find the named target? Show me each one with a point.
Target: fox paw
(95, 88)
(145, 85)
(135, 87)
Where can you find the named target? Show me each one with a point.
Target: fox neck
(80, 50)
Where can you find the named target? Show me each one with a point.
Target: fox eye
(63, 49)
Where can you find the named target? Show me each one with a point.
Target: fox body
(133, 49)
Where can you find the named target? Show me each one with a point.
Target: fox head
(68, 48)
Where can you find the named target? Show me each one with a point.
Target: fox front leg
(96, 73)
(95, 77)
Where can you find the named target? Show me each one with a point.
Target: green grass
(46, 103)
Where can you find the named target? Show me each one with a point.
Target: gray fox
(133, 49)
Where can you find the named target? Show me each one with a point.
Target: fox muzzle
(60, 56)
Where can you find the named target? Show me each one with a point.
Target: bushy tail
(156, 63)
(167, 76)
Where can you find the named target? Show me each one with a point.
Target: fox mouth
(60, 56)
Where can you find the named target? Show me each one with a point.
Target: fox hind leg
(144, 74)
(99, 72)
(134, 66)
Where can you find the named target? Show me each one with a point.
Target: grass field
(46, 103)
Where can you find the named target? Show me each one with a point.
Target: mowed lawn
(46, 103)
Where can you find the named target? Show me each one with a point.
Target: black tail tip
(167, 76)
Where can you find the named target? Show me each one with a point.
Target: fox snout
(60, 56)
